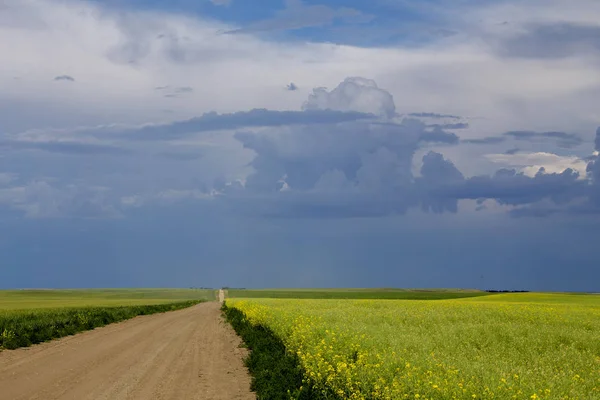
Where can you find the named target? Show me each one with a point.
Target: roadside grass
(23, 328)
(503, 346)
(384, 293)
(276, 373)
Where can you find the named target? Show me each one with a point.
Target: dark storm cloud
(509, 187)
(375, 156)
(373, 160)
(438, 135)
(563, 139)
(346, 155)
(238, 120)
(438, 172)
(593, 170)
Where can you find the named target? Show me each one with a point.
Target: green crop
(33, 316)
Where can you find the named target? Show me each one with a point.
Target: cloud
(174, 92)
(438, 135)
(530, 163)
(437, 173)
(41, 199)
(433, 115)
(552, 40)
(183, 89)
(356, 94)
(238, 120)
(593, 171)
(297, 15)
(120, 53)
(368, 164)
(371, 167)
(67, 78)
(373, 155)
(485, 140)
(64, 147)
(564, 140)
(512, 188)
(458, 125)
(348, 148)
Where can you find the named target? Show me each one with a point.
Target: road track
(187, 354)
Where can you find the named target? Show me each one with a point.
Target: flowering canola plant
(480, 348)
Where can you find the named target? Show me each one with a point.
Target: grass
(32, 316)
(41, 298)
(27, 327)
(276, 373)
(393, 294)
(504, 346)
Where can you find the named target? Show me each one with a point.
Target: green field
(502, 346)
(33, 316)
(36, 299)
(384, 293)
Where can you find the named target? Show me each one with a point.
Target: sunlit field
(502, 346)
(389, 293)
(36, 299)
(33, 316)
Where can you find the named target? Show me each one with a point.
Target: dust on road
(185, 354)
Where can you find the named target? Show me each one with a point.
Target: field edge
(30, 327)
(276, 373)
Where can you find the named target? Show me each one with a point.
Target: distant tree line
(506, 291)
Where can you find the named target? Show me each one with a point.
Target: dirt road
(185, 354)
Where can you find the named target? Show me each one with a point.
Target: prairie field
(61, 298)
(383, 293)
(33, 316)
(500, 346)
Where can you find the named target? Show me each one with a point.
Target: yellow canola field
(450, 349)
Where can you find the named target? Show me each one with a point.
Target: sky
(300, 143)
